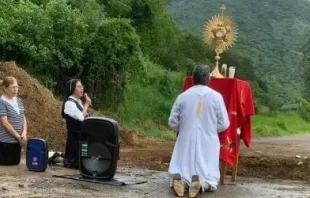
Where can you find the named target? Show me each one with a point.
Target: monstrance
(220, 34)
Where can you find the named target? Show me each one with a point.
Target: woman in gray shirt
(13, 127)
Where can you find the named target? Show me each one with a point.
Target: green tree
(113, 52)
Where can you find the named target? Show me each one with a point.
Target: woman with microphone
(74, 112)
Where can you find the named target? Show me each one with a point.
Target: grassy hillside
(279, 125)
(271, 32)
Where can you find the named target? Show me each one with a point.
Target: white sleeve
(72, 111)
(174, 118)
(222, 116)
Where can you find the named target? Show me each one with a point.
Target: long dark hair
(69, 90)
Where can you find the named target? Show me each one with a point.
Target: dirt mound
(129, 137)
(271, 167)
(42, 109)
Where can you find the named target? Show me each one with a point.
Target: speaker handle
(110, 144)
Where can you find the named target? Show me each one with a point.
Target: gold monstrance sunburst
(220, 34)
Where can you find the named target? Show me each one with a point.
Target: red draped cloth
(238, 100)
(248, 110)
(188, 83)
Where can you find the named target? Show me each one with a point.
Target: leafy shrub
(113, 52)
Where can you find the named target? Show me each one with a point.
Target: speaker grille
(98, 158)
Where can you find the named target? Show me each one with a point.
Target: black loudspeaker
(99, 148)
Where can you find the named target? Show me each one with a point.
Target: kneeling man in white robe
(198, 115)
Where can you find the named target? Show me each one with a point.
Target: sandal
(195, 187)
(178, 185)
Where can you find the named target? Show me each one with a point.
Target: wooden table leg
(235, 167)
(223, 172)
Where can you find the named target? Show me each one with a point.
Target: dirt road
(269, 159)
(21, 183)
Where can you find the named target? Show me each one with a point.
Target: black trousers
(72, 150)
(10, 153)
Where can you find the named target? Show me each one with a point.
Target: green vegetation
(133, 57)
(282, 124)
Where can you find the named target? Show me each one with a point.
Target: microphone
(87, 98)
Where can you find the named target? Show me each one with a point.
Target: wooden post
(223, 172)
(223, 165)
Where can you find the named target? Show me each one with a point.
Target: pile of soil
(129, 138)
(43, 110)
